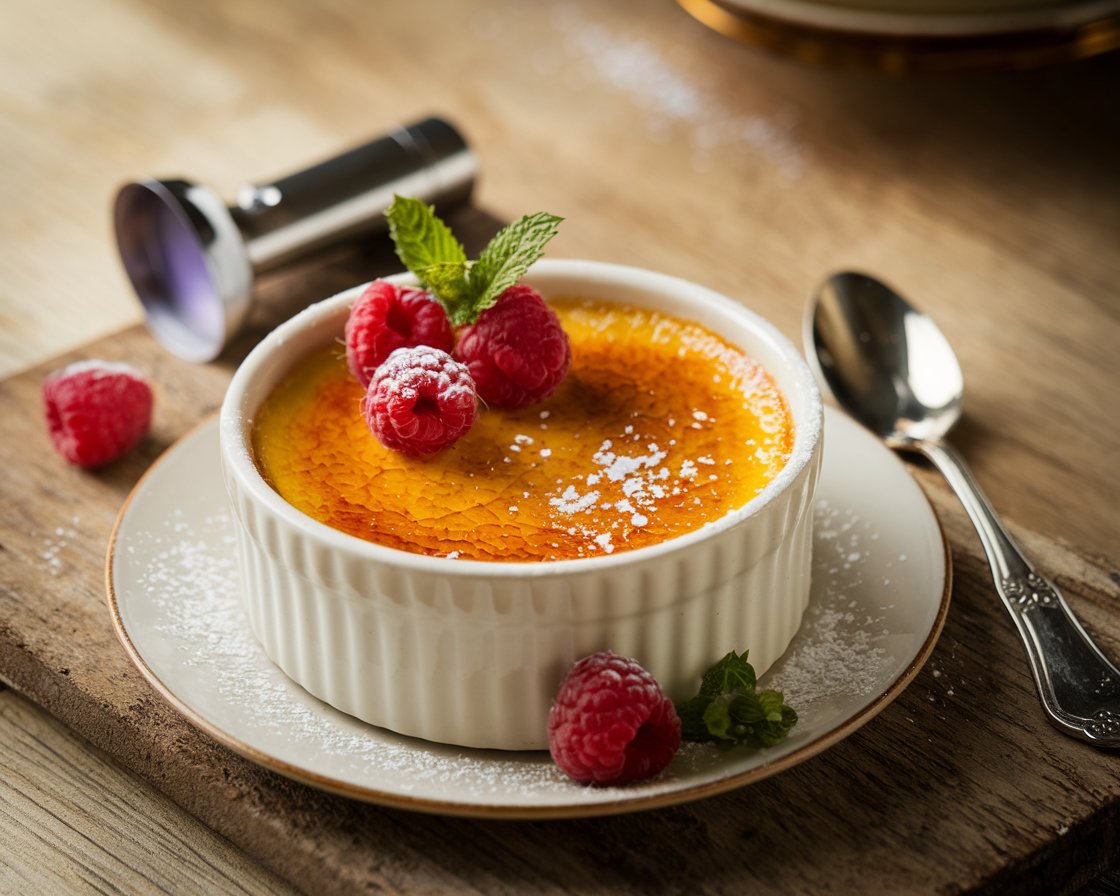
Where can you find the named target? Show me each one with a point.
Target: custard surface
(660, 427)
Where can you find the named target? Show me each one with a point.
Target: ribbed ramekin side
(476, 661)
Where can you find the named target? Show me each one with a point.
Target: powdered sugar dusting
(673, 103)
(55, 544)
(654, 83)
(99, 368)
(840, 648)
(638, 480)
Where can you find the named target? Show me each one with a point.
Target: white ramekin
(472, 652)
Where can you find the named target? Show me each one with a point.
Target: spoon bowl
(860, 331)
(890, 367)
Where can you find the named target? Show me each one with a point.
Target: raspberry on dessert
(419, 401)
(611, 723)
(387, 317)
(96, 410)
(517, 351)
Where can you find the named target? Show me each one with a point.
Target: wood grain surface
(140, 848)
(993, 200)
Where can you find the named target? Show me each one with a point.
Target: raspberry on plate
(96, 411)
(611, 723)
(517, 351)
(420, 401)
(387, 317)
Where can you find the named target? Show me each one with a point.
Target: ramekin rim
(236, 451)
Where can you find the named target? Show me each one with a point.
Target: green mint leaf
(770, 705)
(507, 257)
(747, 709)
(691, 714)
(761, 719)
(448, 283)
(717, 717)
(422, 240)
(427, 247)
(779, 719)
(730, 709)
(731, 672)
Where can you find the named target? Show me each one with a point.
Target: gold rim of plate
(904, 53)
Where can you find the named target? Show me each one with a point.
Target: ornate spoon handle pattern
(1079, 686)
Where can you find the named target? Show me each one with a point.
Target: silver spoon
(889, 366)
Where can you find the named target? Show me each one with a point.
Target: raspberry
(419, 401)
(611, 723)
(388, 317)
(96, 411)
(516, 351)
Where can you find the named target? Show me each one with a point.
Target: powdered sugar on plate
(840, 648)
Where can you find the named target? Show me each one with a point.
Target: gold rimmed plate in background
(922, 36)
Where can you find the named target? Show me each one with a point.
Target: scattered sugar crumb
(604, 541)
(53, 547)
(572, 501)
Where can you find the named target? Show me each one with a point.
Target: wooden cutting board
(960, 785)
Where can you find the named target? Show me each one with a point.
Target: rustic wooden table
(992, 199)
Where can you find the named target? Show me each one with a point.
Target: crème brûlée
(660, 427)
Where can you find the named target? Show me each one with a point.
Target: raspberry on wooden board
(96, 411)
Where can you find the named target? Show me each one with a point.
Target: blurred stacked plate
(920, 34)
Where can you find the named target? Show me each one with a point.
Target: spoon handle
(1079, 686)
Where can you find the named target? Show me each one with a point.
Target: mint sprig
(427, 247)
(421, 239)
(729, 708)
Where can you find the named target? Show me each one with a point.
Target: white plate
(879, 597)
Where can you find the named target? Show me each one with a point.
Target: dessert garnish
(387, 317)
(517, 351)
(512, 343)
(419, 401)
(730, 709)
(611, 723)
(512, 348)
(427, 247)
(96, 411)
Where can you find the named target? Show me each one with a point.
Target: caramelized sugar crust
(660, 427)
